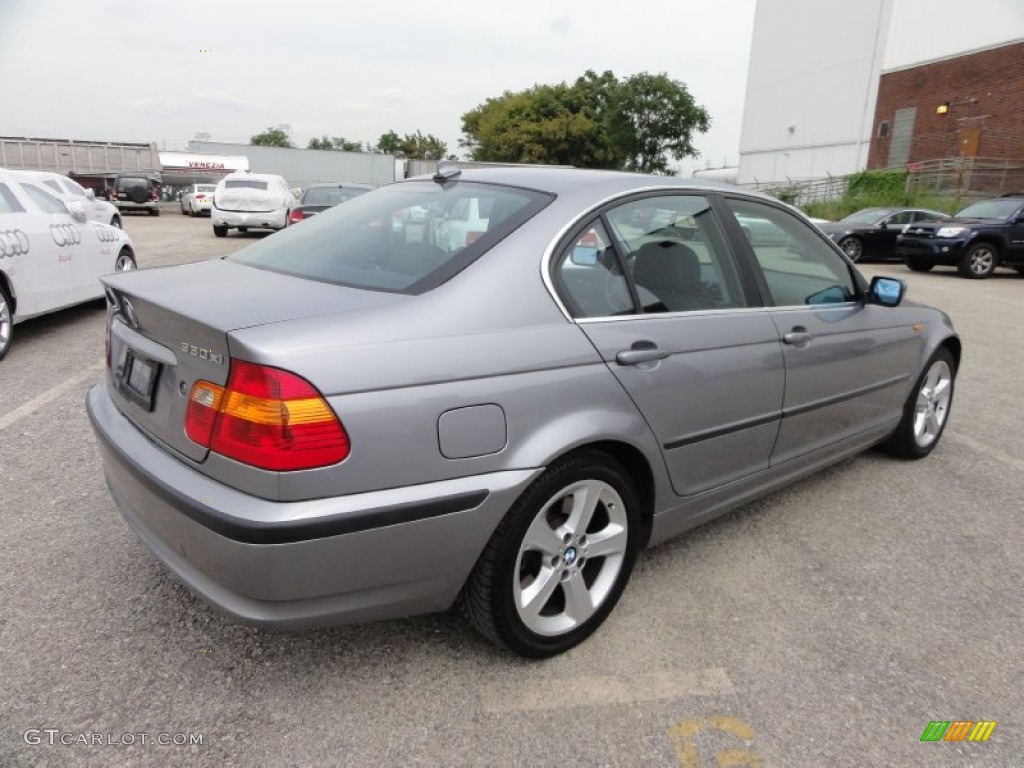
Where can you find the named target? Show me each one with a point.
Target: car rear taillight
(296, 216)
(200, 196)
(266, 417)
(154, 195)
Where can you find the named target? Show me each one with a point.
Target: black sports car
(872, 232)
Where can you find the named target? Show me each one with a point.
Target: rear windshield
(206, 188)
(131, 181)
(330, 195)
(244, 183)
(404, 238)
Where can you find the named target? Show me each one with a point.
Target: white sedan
(70, 191)
(198, 199)
(51, 254)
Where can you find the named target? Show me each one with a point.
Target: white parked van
(246, 200)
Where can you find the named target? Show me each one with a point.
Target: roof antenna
(446, 171)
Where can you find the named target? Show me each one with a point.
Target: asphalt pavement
(825, 625)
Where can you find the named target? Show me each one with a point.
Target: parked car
(70, 191)
(319, 197)
(346, 422)
(51, 254)
(871, 233)
(984, 235)
(245, 201)
(135, 192)
(198, 199)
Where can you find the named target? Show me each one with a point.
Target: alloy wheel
(570, 557)
(932, 405)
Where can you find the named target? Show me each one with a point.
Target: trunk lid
(169, 327)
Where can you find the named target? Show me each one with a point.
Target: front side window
(402, 238)
(798, 266)
(898, 219)
(74, 188)
(46, 202)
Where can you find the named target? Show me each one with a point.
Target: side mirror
(886, 291)
(584, 255)
(77, 211)
(90, 194)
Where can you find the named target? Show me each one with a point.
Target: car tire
(1019, 270)
(853, 247)
(979, 262)
(125, 261)
(192, 211)
(154, 211)
(914, 264)
(115, 221)
(6, 321)
(220, 231)
(243, 229)
(927, 409)
(184, 211)
(538, 588)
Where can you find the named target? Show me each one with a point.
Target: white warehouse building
(815, 67)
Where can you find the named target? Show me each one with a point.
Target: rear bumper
(946, 251)
(128, 205)
(290, 565)
(253, 219)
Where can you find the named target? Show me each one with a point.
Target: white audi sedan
(51, 254)
(70, 191)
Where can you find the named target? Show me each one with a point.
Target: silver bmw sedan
(495, 403)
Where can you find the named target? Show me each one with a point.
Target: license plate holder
(138, 379)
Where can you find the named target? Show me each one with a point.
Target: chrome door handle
(640, 355)
(799, 335)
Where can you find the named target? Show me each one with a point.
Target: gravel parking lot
(825, 625)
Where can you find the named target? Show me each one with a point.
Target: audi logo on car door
(65, 234)
(13, 242)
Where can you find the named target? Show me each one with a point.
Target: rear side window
(400, 238)
(8, 202)
(667, 252)
(330, 195)
(46, 202)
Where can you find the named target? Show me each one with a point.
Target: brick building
(836, 87)
(970, 105)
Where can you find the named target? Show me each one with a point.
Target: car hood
(934, 226)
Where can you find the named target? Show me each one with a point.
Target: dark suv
(136, 192)
(984, 235)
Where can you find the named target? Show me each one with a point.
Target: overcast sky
(139, 70)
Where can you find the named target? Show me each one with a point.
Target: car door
(677, 323)
(847, 362)
(1015, 238)
(72, 241)
(28, 255)
(884, 237)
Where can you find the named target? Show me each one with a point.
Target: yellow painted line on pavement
(683, 736)
(571, 692)
(37, 402)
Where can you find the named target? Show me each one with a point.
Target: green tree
(417, 146)
(389, 143)
(336, 143)
(272, 137)
(597, 122)
(653, 117)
